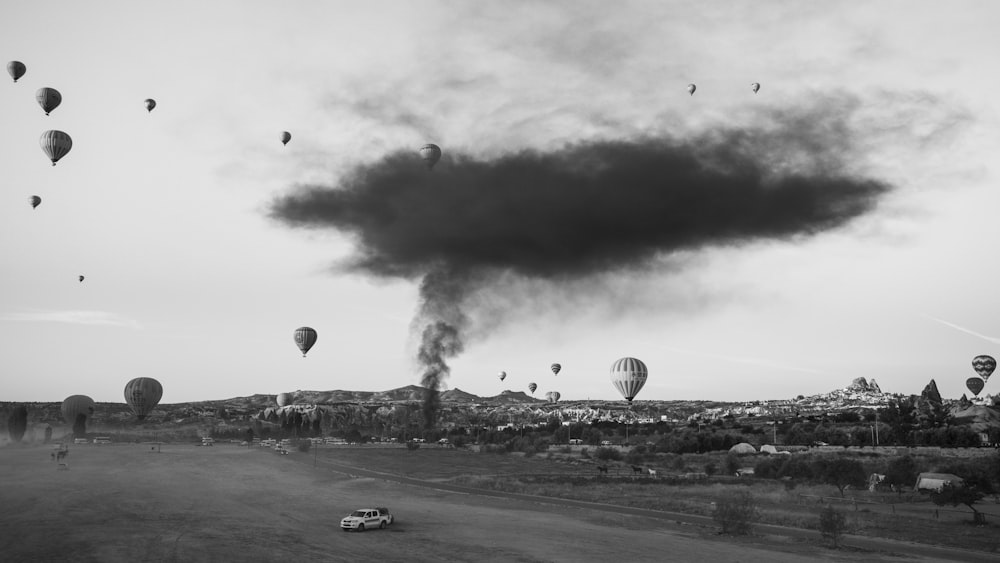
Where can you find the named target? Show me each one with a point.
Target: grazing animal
(652, 472)
(602, 468)
(636, 469)
(59, 455)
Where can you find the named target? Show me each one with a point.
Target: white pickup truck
(366, 518)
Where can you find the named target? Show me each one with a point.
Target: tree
(17, 423)
(736, 514)
(832, 525)
(960, 494)
(901, 471)
(841, 472)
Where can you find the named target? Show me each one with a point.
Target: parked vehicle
(363, 518)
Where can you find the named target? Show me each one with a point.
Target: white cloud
(98, 318)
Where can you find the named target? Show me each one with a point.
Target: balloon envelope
(283, 399)
(55, 144)
(48, 98)
(553, 396)
(285, 137)
(755, 86)
(81, 278)
(142, 394)
(532, 387)
(502, 375)
(975, 384)
(150, 104)
(984, 366)
(556, 368)
(628, 375)
(430, 153)
(35, 201)
(16, 69)
(691, 88)
(75, 405)
(305, 337)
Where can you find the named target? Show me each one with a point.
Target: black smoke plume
(580, 210)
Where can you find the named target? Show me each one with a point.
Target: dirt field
(226, 503)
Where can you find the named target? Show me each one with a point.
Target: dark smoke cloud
(581, 210)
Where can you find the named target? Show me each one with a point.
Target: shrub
(832, 525)
(585, 453)
(304, 446)
(412, 446)
(606, 454)
(736, 514)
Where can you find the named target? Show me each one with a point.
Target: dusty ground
(226, 503)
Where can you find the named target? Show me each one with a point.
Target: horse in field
(637, 469)
(603, 469)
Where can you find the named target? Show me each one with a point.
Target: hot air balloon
(16, 69)
(628, 375)
(150, 104)
(430, 153)
(532, 387)
(81, 278)
(975, 384)
(691, 88)
(285, 137)
(502, 375)
(142, 394)
(35, 201)
(755, 86)
(553, 396)
(48, 98)
(283, 399)
(556, 368)
(76, 406)
(984, 366)
(55, 144)
(305, 337)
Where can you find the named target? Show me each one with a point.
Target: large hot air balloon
(16, 69)
(984, 366)
(755, 87)
(142, 394)
(430, 153)
(48, 98)
(556, 368)
(975, 384)
(502, 375)
(75, 406)
(150, 104)
(285, 137)
(55, 144)
(35, 201)
(531, 387)
(691, 88)
(628, 376)
(553, 396)
(305, 337)
(81, 278)
(283, 399)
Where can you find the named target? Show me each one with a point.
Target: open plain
(180, 502)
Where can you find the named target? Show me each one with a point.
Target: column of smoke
(441, 293)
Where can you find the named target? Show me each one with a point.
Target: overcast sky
(839, 223)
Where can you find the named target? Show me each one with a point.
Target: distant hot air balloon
(502, 375)
(984, 366)
(75, 406)
(556, 368)
(691, 88)
(628, 376)
(48, 98)
(975, 384)
(35, 201)
(16, 69)
(430, 153)
(81, 278)
(55, 144)
(283, 399)
(305, 337)
(755, 87)
(553, 396)
(532, 387)
(285, 137)
(142, 394)
(150, 104)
